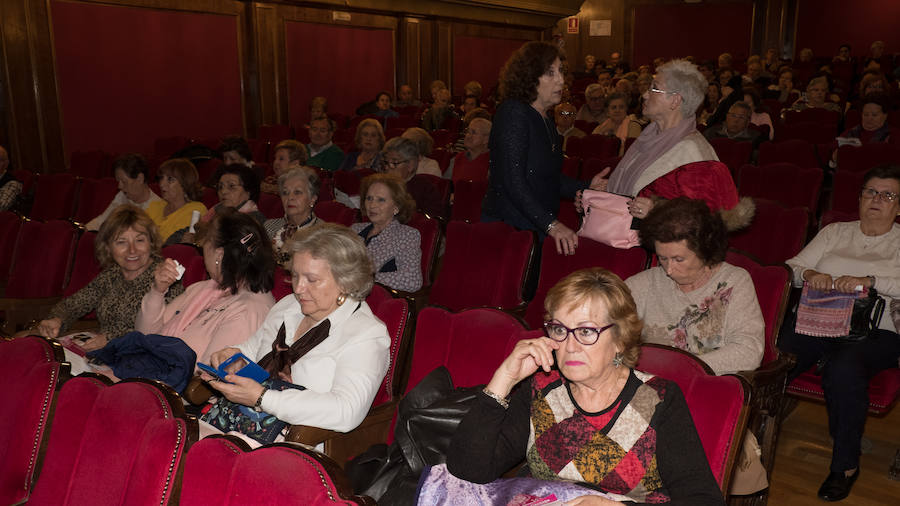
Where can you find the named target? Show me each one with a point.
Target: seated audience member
(616, 110)
(771, 62)
(238, 188)
(323, 153)
(179, 184)
(871, 82)
(425, 144)
(437, 116)
(589, 69)
(369, 140)
(805, 56)
(128, 251)
(707, 68)
(474, 90)
(756, 74)
(435, 87)
(710, 102)
(594, 109)
(843, 55)
(318, 109)
(724, 62)
(133, 176)
(235, 150)
(873, 128)
(472, 164)
(299, 191)
(324, 338)
(468, 104)
(564, 114)
(383, 106)
(783, 90)
(758, 115)
(569, 416)
(875, 57)
(226, 308)
(460, 145)
(401, 158)
(289, 154)
(843, 256)
(736, 126)
(10, 188)
(816, 96)
(604, 79)
(405, 97)
(694, 300)
(395, 248)
(642, 83)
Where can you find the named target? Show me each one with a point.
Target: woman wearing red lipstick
(845, 256)
(299, 191)
(581, 403)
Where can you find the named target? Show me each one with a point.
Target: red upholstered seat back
(90, 164)
(484, 265)
(776, 233)
(863, 158)
(429, 237)
(599, 146)
(168, 146)
(10, 223)
(54, 197)
(718, 404)
(191, 259)
(395, 315)
(270, 205)
(467, 197)
(773, 285)
(785, 183)
(884, 388)
(335, 212)
(41, 260)
(85, 267)
(94, 195)
(590, 253)
(797, 151)
(282, 286)
(732, 153)
(275, 133)
(845, 193)
(222, 470)
(119, 444)
(348, 181)
(30, 372)
(471, 344)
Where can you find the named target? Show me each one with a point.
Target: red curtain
(480, 59)
(703, 31)
(347, 65)
(826, 24)
(129, 75)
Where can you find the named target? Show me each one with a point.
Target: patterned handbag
(838, 316)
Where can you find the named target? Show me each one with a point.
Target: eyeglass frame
(596, 330)
(388, 163)
(567, 113)
(654, 89)
(871, 193)
(220, 186)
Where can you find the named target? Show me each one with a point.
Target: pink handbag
(607, 220)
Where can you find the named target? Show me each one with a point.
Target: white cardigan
(341, 375)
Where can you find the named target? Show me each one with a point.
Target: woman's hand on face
(640, 207)
(566, 239)
(166, 273)
(48, 328)
(238, 389)
(222, 355)
(591, 500)
(818, 280)
(848, 284)
(527, 356)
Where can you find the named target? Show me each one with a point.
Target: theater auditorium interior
(84, 84)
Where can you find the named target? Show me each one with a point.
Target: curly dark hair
(238, 145)
(249, 178)
(133, 165)
(519, 76)
(684, 219)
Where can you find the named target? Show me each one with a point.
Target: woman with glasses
(180, 188)
(658, 164)
(846, 256)
(401, 158)
(580, 407)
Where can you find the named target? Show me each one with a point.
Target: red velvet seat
(484, 265)
(94, 196)
(719, 405)
(599, 146)
(26, 177)
(429, 238)
(732, 153)
(10, 223)
(54, 197)
(223, 470)
(467, 198)
(863, 158)
(335, 212)
(784, 183)
(282, 285)
(275, 133)
(85, 266)
(165, 147)
(209, 198)
(444, 189)
(814, 133)
(593, 166)
(260, 149)
(776, 233)
(119, 444)
(845, 191)
(403, 121)
(884, 389)
(326, 190)
(207, 171)
(589, 253)
(797, 151)
(89, 164)
(444, 137)
(442, 157)
(348, 181)
(813, 115)
(572, 167)
(270, 205)
(191, 259)
(31, 372)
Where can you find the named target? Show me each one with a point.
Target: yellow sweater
(175, 221)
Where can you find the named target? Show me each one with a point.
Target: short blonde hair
(124, 217)
(372, 122)
(345, 252)
(406, 205)
(600, 285)
(295, 149)
(424, 141)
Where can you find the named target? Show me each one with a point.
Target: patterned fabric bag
(838, 316)
(228, 416)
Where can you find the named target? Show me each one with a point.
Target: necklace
(550, 136)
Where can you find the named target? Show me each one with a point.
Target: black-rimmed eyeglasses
(584, 335)
(871, 193)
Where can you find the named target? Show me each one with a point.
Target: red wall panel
(347, 65)
(700, 30)
(826, 24)
(129, 75)
(480, 59)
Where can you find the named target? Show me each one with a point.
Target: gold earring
(341, 299)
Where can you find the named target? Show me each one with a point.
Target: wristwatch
(258, 406)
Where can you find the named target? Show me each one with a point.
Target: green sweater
(329, 159)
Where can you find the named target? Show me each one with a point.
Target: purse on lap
(837, 316)
(607, 220)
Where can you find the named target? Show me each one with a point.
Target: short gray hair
(742, 105)
(682, 77)
(407, 148)
(310, 176)
(345, 253)
(592, 88)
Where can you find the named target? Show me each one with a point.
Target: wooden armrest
(772, 371)
(20, 312)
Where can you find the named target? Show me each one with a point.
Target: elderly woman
(440, 113)
(783, 90)
(181, 192)
(816, 96)
(472, 163)
(844, 256)
(873, 127)
(127, 248)
(324, 340)
(758, 116)
(568, 415)
(401, 158)
(289, 154)
(299, 190)
(616, 110)
(132, 175)
(425, 143)
(383, 106)
(238, 188)
(659, 163)
(369, 140)
(235, 150)
(694, 300)
(393, 247)
(525, 179)
(226, 308)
